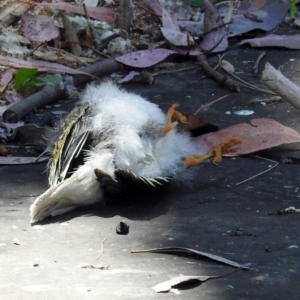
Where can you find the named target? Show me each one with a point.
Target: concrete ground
(214, 215)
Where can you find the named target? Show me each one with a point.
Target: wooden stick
(48, 94)
(282, 86)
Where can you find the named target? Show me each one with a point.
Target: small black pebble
(122, 228)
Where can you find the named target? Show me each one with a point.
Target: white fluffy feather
(130, 128)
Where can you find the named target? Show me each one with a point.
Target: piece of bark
(48, 94)
(282, 86)
(125, 15)
(99, 69)
(210, 72)
(71, 35)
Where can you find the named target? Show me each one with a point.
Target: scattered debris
(17, 242)
(90, 266)
(240, 232)
(102, 248)
(268, 249)
(122, 228)
(288, 210)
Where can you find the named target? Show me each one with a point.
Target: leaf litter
(166, 286)
(177, 23)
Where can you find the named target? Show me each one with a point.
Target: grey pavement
(212, 215)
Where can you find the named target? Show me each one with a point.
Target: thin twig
(93, 49)
(261, 173)
(89, 27)
(255, 67)
(146, 9)
(102, 248)
(174, 71)
(37, 47)
(244, 83)
(210, 103)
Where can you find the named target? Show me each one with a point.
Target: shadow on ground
(213, 215)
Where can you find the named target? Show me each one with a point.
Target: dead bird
(127, 142)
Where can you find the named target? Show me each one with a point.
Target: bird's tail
(73, 192)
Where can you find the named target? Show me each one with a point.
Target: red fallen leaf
(260, 134)
(145, 58)
(38, 28)
(98, 13)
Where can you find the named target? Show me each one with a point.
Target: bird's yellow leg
(173, 115)
(216, 153)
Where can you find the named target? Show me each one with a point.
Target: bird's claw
(173, 115)
(216, 153)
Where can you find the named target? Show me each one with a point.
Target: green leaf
(22, 76)
(52, 80)
(196, 3)
(292, 8)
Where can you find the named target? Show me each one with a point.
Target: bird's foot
(216, 153)
(172, 116)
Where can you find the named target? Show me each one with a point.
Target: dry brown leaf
(38, 28)
(167, 285)
(274, 40)
(63, 55)
(42, 66)
(12, 10)
(189, 250)
(260, 134)
(98, 13)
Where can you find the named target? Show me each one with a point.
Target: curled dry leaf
(227, 66)
(189, 250)
(129, 77)
(145, 58)
(274, 40)
(38, 28)
(167, 285)
(260, 134)
(136, 77)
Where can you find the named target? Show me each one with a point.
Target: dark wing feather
(130, 181)
(72, 136)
